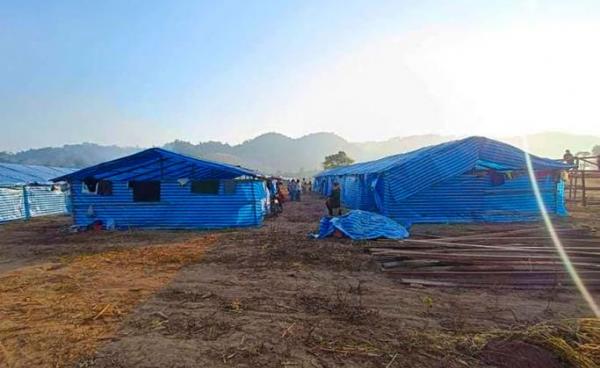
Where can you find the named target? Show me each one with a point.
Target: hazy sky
(146, 72)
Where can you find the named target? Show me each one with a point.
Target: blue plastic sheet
(16, 174)
(362, 225)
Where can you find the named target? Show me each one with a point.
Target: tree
(596, 150)
(336, 160)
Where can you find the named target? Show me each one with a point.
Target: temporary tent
(26, 191)
(156, 188)
(475, 179)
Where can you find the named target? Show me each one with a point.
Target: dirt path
(271, 297)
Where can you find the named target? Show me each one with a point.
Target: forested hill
(71, 155)
(278, 154)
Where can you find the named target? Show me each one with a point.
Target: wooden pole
(583, 197)
(570, 184)
(576, 173)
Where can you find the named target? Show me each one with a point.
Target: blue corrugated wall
(22, 202)
(178, 207)
(451, 182)
(11, 204)
(357, 192)
(324, 184)
(464, 198)
(469, 198)
(42, 201)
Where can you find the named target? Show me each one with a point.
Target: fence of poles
(583, 185)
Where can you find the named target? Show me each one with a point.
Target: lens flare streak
(556, 240)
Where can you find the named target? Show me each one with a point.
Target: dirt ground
(267, 297)
(62, 295)
(47, 239)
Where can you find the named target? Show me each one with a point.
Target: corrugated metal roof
(484, 150)
(159, 164)
(15, 174)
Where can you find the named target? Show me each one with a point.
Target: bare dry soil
(266, 297)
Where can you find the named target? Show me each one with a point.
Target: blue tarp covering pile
(475, 179)
(362, 225)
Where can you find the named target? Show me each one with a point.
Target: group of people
(296, 188)
(275, 195)
(279, 193)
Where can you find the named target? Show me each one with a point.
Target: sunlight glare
(555, 238)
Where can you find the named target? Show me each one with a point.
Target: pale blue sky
(147, 72)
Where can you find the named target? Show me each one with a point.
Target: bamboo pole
(583, 194)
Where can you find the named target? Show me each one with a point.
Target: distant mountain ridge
(276, 153)
(70, 155)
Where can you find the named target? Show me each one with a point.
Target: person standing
(333, 203)
(280, 196)
(292, 189)
(298, 190)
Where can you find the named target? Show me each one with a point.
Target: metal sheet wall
(11, 204)
(430, 184)
(465, 198)
(357, 192)
(178, 207)
(19, 202)
(42, 201)
(469, 198)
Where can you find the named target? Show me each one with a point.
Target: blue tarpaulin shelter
(156, 188)
(26, 191)
(475, 179)
(362, 225)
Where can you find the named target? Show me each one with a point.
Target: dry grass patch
(52, 315)
(576, 342)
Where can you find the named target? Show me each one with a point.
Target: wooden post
(576, 174)
(570, 184)
(583, 198)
